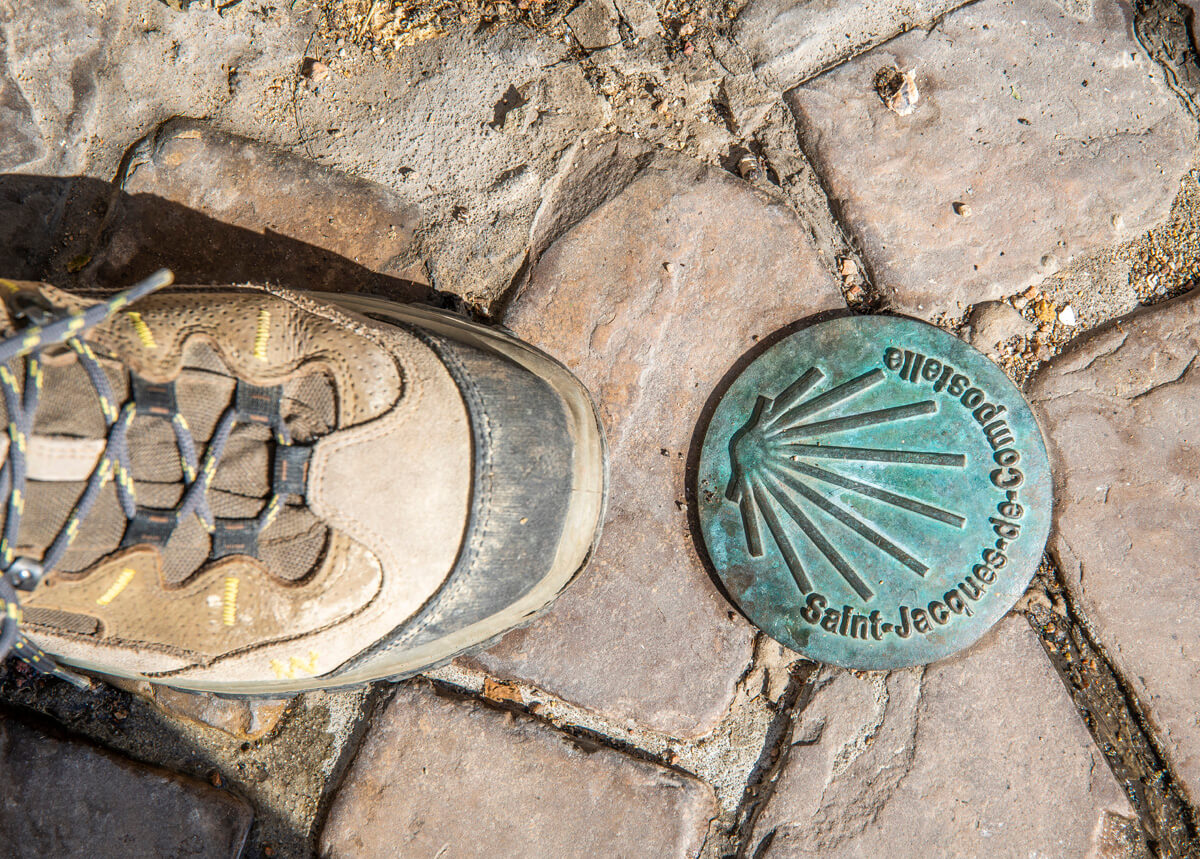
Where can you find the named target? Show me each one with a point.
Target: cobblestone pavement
(648, 189)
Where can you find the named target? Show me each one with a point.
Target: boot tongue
(69, 413)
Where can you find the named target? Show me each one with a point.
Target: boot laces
(46, 329)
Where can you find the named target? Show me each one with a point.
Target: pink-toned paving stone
(981, 754)
(1036, 137)
(438, 777)
(650, 300)
(1119, 413)
(65, 798)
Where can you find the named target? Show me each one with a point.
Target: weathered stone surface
(650, 300)
(52, 58)
(421, 121)
(594, 24)
(415, 120)
(30, 209)
(789, 41)
(982, 754)
(218, 208)
(592, 171)
(443, 778)
(994, 322)
(19, 139)
(1057, 134)
(1119, 414)
(63, 798)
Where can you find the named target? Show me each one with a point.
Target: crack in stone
(1161, 29)
(1165, 384)
(1114, 350)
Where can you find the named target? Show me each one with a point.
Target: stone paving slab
(1119, 413)
(64, 798)
(789, 41)
(19, 142)
(439, 777)
(650, 300)
(981, 754)
(217, 208)
(49, 95)
(421, 121)
(1036, 138)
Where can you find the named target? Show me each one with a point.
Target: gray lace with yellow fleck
(47, 328)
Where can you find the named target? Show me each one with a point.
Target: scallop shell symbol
(774, 458)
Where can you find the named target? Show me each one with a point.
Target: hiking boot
(245, 490)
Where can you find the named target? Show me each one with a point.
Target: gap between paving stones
(789, 175)
(1113, 715)
(1161, 29)
(736, 758)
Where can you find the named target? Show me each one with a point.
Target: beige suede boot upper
(373, 528)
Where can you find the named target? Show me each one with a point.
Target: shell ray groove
(854, 523)
(824, 401)
(769, 476)
(860, 420)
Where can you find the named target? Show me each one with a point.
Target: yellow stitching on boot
(262, 334)
(119, 585)
(229, 612)
(9, 285)
(273, 508)
(143, 330)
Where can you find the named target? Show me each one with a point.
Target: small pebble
(961, 209)
(314, 70)
(1067, 316)
(1044, 310)
(897, 90)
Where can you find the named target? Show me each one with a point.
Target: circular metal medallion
(873, 492)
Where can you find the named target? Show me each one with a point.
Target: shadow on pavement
(83, 233)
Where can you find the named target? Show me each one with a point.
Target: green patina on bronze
(873, 492)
